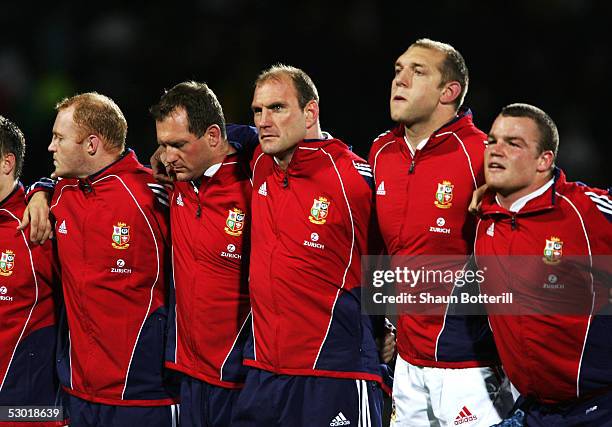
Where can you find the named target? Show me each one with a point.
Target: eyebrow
(410, 64)
(180, 141)
(268, 106)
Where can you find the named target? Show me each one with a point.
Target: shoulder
(140, 184)
(473, 139)
(593, 202)
(354, 169)
(384, 139)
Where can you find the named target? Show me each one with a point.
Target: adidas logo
(339, 420)
(62, 228)
(179, 200)
(263, 190)
(380, 191)
(465, 416)
(491, 230)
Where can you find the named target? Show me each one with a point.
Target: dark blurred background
(554, 54)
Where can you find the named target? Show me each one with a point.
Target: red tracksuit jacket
(422, 207)
(112, 238)
(552, 251)
(27, 313)
(210, 239)
(310, 227)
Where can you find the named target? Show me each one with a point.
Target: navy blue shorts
(596, 412)
(90, 414)
(205, 405)
(269, 400)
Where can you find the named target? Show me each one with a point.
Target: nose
(52, 147)
(171, 155)
(403, 78)
(494, 150)
(264, 119)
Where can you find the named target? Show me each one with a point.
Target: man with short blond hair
(425, 169)
(113, 246)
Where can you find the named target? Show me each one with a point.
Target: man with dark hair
(113, 246)
(425, 169)
(313, 356)
(28, 285)
(210, 211)
(12, 141)
(548, 242)
(549, 136)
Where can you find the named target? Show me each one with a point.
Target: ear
(311, 110)
(92, 144)
(450, 93)
(546, 161)
(213, 135)
(7, 163)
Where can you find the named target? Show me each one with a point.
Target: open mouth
(398, 98)
(495, 166)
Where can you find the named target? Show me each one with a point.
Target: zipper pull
(412, 165)
(199, 211)
(513, 222)
(285, 182)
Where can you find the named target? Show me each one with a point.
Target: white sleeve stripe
(601, 208)
(597, 196)
(163, 201)
(364, 173)
(156, 186)
(160, 192)
(161, 195)
(601, 202)
(381, 135)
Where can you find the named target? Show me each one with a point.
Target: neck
(99, 162)
(417, 132)
(7, 185)
(506, 201)
(284, 158)
(224, 149)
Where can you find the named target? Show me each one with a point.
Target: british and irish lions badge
(121, 236)
(7, 262)
(319, 211)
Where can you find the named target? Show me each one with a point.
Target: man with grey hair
(313, 356)
(425, 169)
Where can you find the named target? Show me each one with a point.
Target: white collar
(420, 145)
(520, 203)
(212, 170)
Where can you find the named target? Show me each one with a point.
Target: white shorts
(438, 397)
